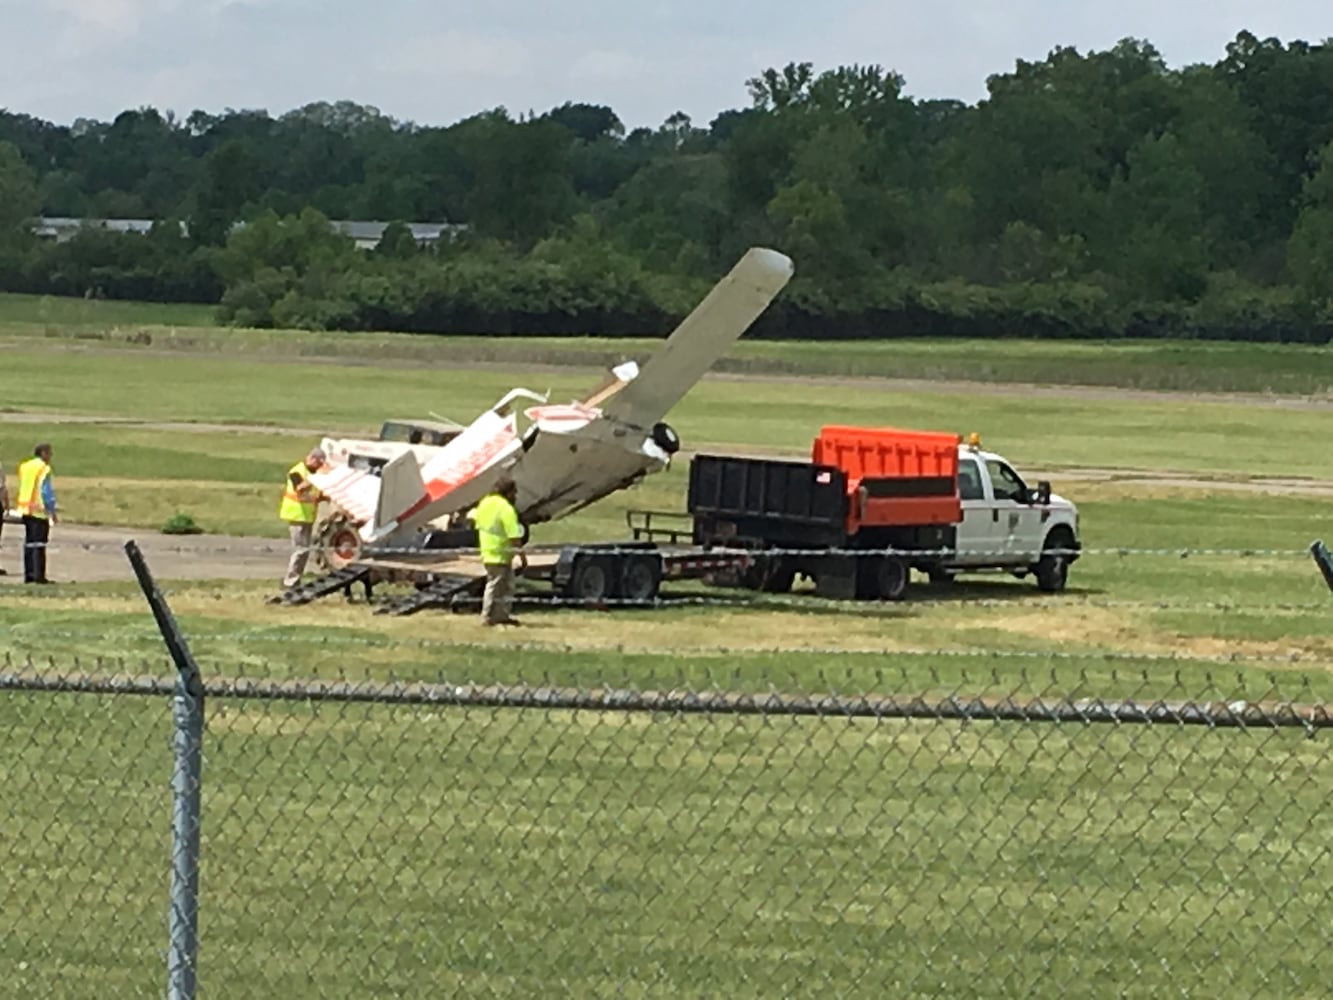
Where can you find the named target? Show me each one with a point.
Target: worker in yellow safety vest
(500, 538)
(37, 507)
(300, 508)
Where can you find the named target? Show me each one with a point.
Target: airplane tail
(704, 336)
(400, 488)
(455, 479)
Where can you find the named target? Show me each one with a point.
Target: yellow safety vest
(300, 505)
(32, 474)
(497, 529)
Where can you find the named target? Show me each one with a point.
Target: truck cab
(1008, 525)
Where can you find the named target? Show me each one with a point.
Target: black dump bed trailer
(801, 510)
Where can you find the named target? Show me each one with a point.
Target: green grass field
(1150, 365)
(363, 850)
(368, 850)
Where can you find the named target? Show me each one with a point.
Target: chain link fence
(362, 839)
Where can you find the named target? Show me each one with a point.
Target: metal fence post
(188, 716)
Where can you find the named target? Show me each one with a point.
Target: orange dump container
(894, 477)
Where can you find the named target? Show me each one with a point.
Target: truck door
(980, 535)
(1019, 520)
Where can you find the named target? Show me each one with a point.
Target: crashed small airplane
(388, 493)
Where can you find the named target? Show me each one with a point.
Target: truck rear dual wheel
(882, 578)
(769, 575)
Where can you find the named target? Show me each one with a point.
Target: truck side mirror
(1043, 492)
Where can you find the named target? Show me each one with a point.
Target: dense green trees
(1087, 195)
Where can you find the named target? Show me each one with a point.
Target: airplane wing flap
(704, 336)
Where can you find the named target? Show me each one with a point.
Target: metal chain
(257, 637)
(277, 548)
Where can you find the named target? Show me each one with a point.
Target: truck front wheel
(1053, 567)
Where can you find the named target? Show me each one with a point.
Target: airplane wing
(705, 335)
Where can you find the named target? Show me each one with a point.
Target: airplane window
(1007, 484)
(969, 481)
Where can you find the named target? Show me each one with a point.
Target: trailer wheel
(891, 576)
(591, 579)
(641, 577)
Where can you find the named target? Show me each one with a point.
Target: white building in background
(365, 234)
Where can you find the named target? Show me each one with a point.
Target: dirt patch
(1085, 628)
(81, 554)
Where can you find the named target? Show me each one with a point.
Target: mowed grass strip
(1270, 613)
(1211, 437)
(1029, 648)
(1191, 366)
(362, 849)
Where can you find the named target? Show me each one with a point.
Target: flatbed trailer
(594, 573)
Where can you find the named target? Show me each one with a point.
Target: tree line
(1087, 195)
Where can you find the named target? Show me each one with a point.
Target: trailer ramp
(323, 586)
(436, 594)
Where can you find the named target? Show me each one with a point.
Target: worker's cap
(317, 454)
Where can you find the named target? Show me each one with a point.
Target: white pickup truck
(1008, 526)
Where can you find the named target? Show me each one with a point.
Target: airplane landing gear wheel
(337, 544)
(666, 438)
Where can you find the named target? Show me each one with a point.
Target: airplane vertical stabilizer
(400, 488)
(456, 478)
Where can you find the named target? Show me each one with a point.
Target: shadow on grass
(803, 602)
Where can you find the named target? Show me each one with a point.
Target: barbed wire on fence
(1096, 654)
(1235, 712)
(278, 548)
(953, 595)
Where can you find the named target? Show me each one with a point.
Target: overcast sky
(435, 61)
